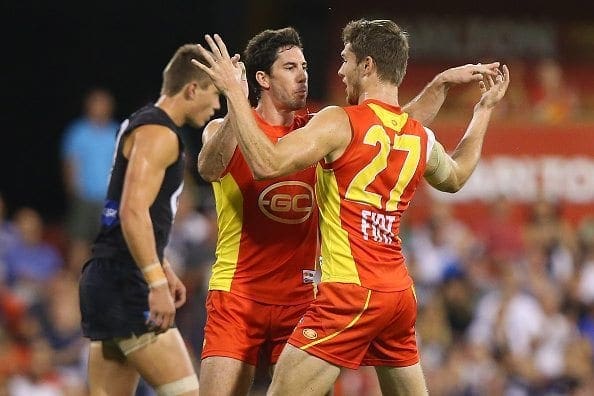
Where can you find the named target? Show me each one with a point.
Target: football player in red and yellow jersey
(262, 281)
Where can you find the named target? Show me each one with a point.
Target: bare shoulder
(154, 140)
(211, 128)
(154, 135)
(335, 116)
(331, 111)
(331, 129)
(213, 124)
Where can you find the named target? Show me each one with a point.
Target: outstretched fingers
(482, 87)
(215, 50)
(489, 81)
(488, 68)
(222, 46)
(505, 74)
(217, 47)
(208, 56)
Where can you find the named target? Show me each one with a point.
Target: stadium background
(536, 154)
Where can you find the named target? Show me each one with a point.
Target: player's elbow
(266, 169)
(206, 171)
(452, 188)
(207, 175)
(128, 214)
(455, 184)
(264, 173)
(451, 184)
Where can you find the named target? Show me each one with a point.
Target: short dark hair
(180, 71)
(384, 41)
(261, 52)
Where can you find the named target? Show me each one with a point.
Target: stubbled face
(206, 102)
(349, 73)
(288, 79)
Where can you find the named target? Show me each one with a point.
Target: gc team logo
(288, 202)
(310, 334)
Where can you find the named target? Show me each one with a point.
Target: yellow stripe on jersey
(391, 120)
(229, 202)
(338, 264)
(351, 324)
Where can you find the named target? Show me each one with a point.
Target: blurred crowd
(506, 304)
(541, 92)
(506, 307)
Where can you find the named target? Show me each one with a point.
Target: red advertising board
(523, 164)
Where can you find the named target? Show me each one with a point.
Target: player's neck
(169, 106)
(386, 93)
(273, 115)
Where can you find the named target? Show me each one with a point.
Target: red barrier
(523, 163)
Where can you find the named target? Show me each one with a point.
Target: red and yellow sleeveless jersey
(362, 195)
(267, 231)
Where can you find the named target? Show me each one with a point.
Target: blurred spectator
(32, 261)
(191, 244)
(441, 244)
(507, 322)
(550, 236)
(13, 358)
(41, 379)
(459, 300)
(554, 99)
(191, 251)
(501, 231)
(555, 337)
(87, 153)
(59, 319)
(357, 382)
(434, 333)
(8, 239)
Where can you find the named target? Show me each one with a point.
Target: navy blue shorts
(113, 299)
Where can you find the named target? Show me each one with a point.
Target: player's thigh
(164, 360)
(285, 319)
(222, 376)
(236, 327)
(408, 380)
(109, 372)
(297, 373)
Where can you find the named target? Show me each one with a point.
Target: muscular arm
(326, 134)
(425, 106)
(150, 150)
(450, 173)
(218, 145)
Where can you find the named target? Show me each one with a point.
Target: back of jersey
(363, 194)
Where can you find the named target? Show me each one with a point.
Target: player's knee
(179, 387)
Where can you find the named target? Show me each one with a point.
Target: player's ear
(368, 62)
(262, 79)
(190, 90)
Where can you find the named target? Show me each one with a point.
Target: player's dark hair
(261, 52)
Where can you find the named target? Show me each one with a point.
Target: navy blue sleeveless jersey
(110, 242)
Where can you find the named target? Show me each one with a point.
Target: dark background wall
(54, 51)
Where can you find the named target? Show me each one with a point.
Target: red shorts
(351, 326)
(244, 329)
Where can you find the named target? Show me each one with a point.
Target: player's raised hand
(226, 72)
(493, 89)
(469, 73)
